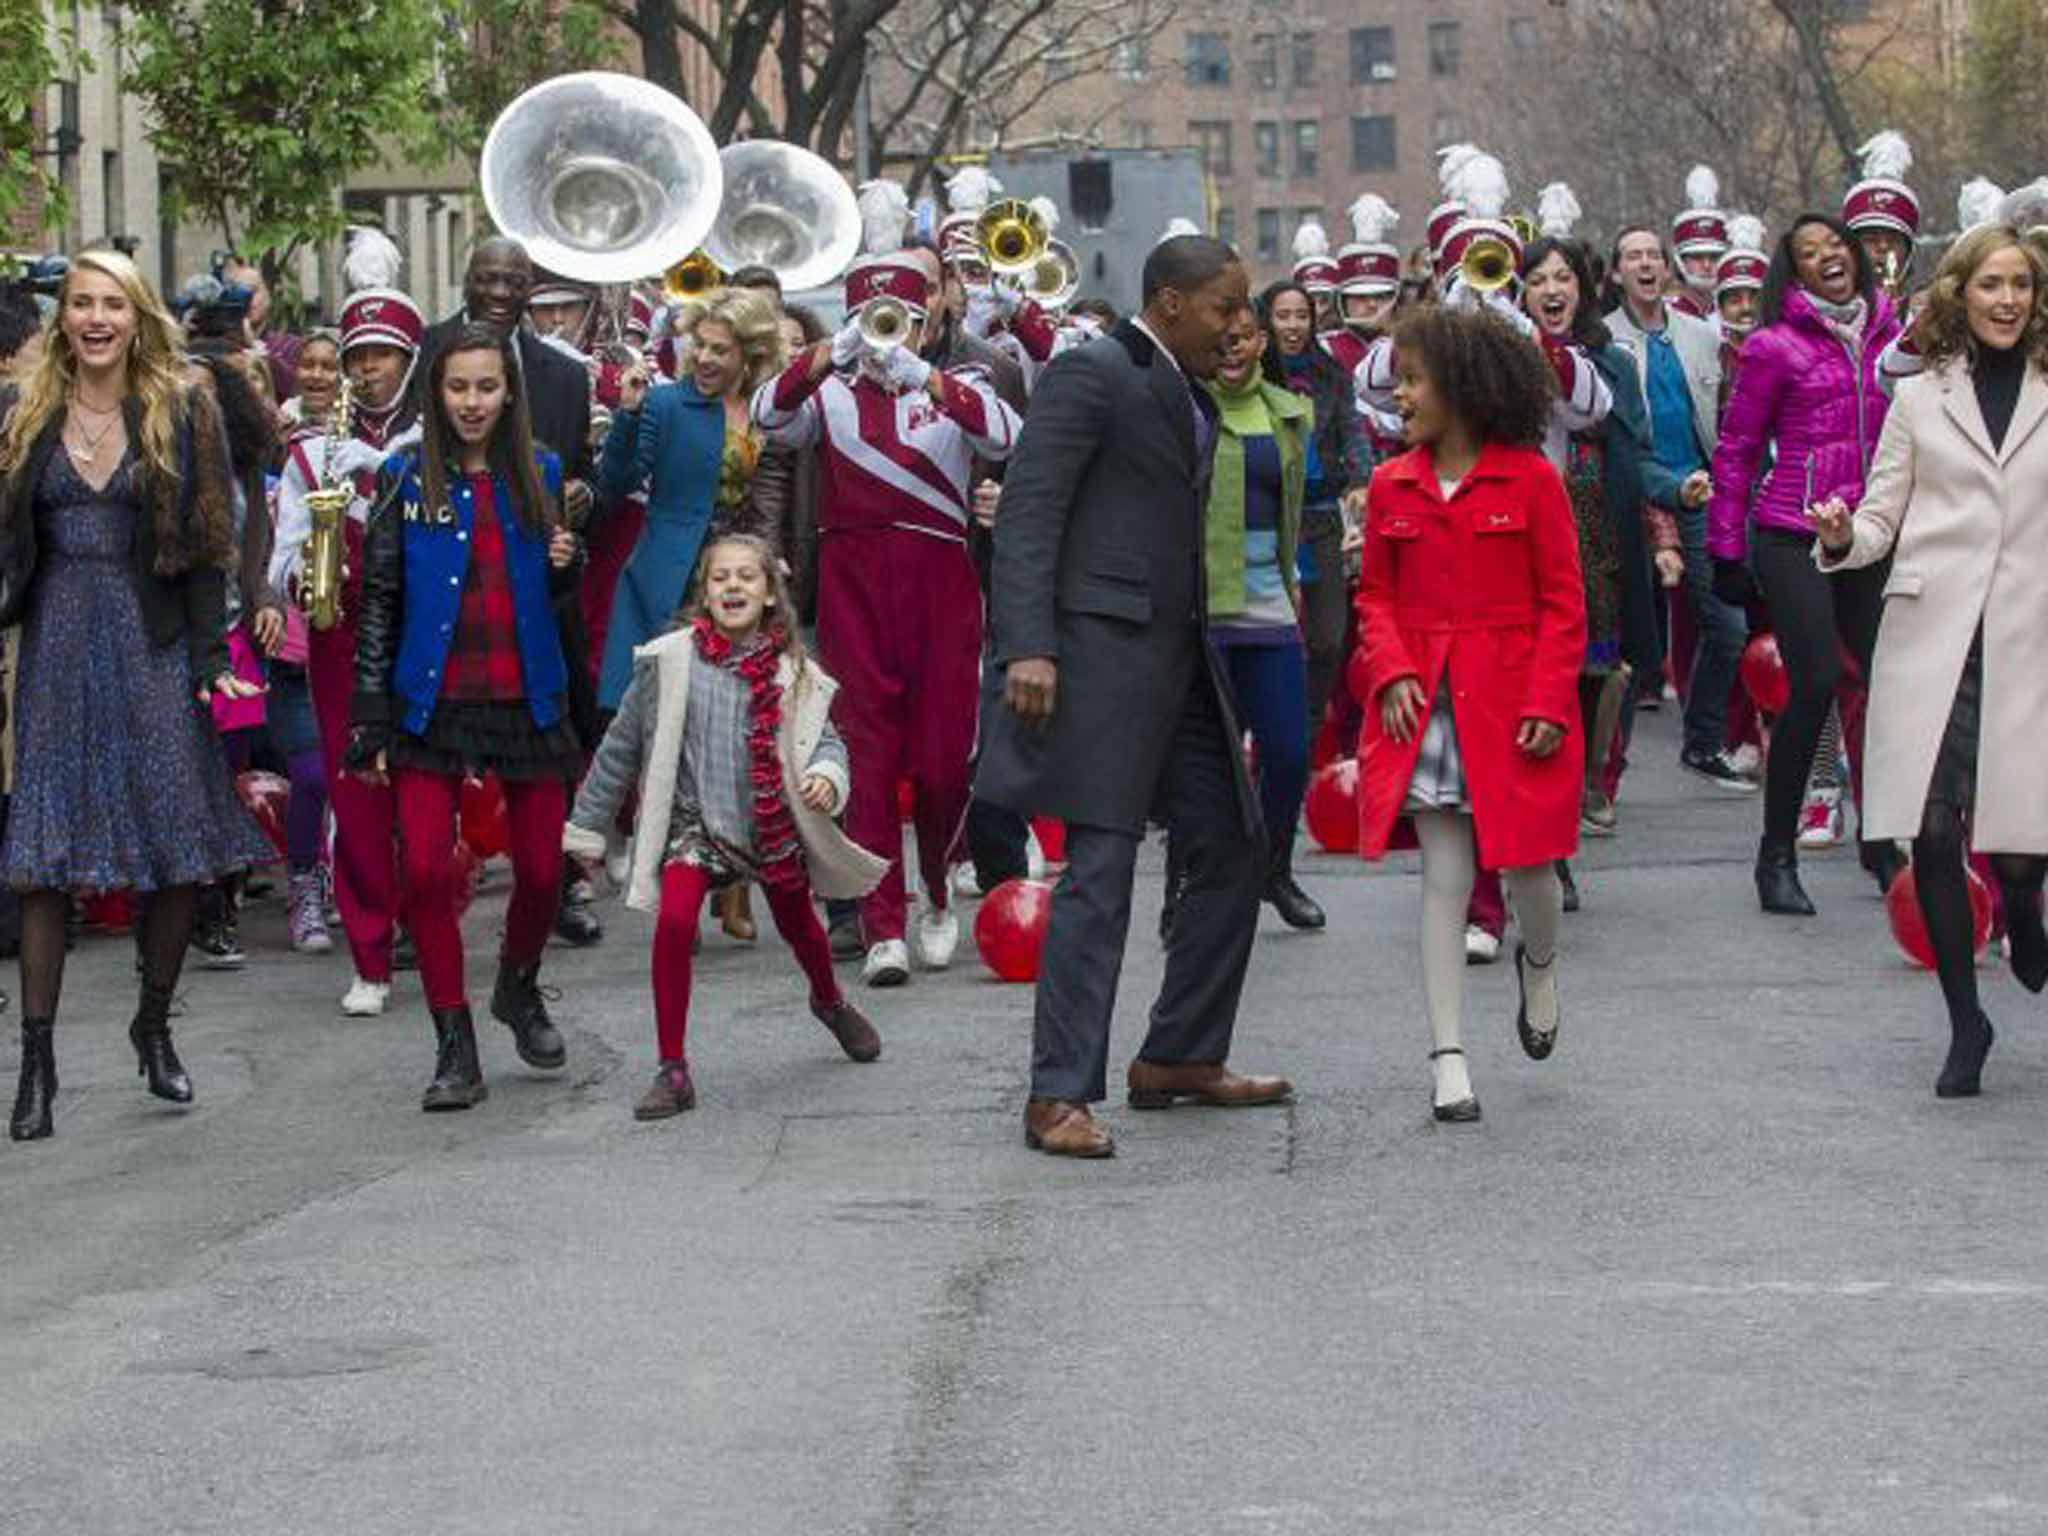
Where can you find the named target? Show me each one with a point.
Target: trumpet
(1012, 235)
(692, 278)
(884, 323)
(328, 503)
(1488, 264)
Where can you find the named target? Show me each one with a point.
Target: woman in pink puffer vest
(1807, 404)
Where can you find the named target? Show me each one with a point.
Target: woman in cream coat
(1958, 496)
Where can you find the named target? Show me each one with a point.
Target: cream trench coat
(1967, 528)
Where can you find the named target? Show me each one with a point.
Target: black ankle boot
(1777, 880)
(1882, 861)
(458, 1080)
(31, 1120)
(1568, 886)
(156, 1058)
(2026, 936)
(1967, 1047)
(516, 1002)
(575, 923)
(1296, 907)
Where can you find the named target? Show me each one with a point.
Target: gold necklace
(79, 440)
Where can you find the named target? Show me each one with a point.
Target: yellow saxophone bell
(327, 504)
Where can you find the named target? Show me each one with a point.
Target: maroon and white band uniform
(899, 604)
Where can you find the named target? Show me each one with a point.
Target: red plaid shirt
(483, 663)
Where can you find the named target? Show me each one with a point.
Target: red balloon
(469, 874)
(1051, 833)
(1009, 930)
(1909, 929)
(108, 911)
(482, 818)
(1763, 673)
(266, 795)
(1332, 806)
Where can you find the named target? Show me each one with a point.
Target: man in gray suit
(1112, 710)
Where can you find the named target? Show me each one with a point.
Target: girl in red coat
(1472, 628)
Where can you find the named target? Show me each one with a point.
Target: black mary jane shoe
(1961, 1074)
(1466, 1110)
(1537, 1045)
(32, 1120)
(1778, 890)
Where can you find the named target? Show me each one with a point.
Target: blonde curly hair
(1943, 329)
(754, 323)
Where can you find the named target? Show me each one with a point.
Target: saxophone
(328, 503)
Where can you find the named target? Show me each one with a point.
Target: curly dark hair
(1588, 329)
(1490, 375)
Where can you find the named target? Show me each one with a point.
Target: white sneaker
(938, 936)
(365, 999)
(887, 965)
(1481, 947)
(1747, 760)
(964, 881)
(1820, 819)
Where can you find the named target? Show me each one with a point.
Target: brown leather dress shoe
(1064, 1129)
(1161, 1085)
(850, 1027)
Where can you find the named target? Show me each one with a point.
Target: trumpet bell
(785, 209)
(884, 323)
(1055, 277)
(1012, 235)
(1487, 265)
(602, 177)
(692, 278)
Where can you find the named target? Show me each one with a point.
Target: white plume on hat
(1978, 203)
(1372, 219)
(971, 189)
(1557, 211)
(1702, 187)
(2026, 208)
(1452, 160)
(1886, 154)
(1311, 241)
(1047, 210)
(1176, 229)
(884, 215)
(373, 259)
(1481, 184)
(1746, 233)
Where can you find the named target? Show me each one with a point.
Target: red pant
(365, 815)
(899, 625)
(428, 806)
(683, 888)
(609, 542)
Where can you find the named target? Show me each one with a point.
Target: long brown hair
(510, 451)
(1943, 329)
(781, 620)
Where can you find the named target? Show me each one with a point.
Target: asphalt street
(1722, 1264)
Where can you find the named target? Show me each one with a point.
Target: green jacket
(1293, 418)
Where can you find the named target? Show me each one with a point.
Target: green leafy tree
(30, 59)
(488, 51)
(260, 109)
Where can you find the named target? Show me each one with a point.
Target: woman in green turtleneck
(1253, 530)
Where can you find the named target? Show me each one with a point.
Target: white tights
(1448, 867)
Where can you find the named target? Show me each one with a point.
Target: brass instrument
(1892, 275)
(1055, 277)
(1012, 235)
(1524, 227)
(696, 276)
(884, 323)
(785, 209)
(1488, 264)
(328, 502)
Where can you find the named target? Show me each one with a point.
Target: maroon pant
(428, 810)
(365, 815)
(899, 625)
(683, 888)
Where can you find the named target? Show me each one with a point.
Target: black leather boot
(458, 1080)
(1296, 907)
(31, 1120)
(1777, 880)
(156, 1058)
(575, 923)
(1882, 861)
(516, 1002)
(1969, 1043)
(2025, 935)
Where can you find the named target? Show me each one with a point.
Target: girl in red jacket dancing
(1472, 627)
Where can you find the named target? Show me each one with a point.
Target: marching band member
(899, 603)
(563, 311)
(1316, 270)
(1738, 292)
(1884, 212)
(1981, 201)
(1700, 237)
(1368, 281)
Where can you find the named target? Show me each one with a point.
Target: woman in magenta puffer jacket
(1807, 405)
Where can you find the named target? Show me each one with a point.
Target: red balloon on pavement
(1009, 930)
(482, 818)
(266, 795)
(1763, 674)
(1909, 929)
(108, 911)
(1332, 806)
(1051, 833)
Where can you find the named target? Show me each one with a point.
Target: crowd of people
(715, 592)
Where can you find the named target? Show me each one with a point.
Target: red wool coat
(1486, 586)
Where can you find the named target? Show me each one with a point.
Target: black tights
(164, 931)
(1815, 616)
(1940, 854)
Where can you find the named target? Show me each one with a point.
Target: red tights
(428, 804)
(683, 889)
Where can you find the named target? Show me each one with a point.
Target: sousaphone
(785, 209)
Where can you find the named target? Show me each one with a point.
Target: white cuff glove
(1009, 299)
(904, 371)
(848, 344)
(984, 311)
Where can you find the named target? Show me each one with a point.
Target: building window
(1308, 144)
(1304, 54)
(1137, 133)
(1208, 58)
(1265, 149)
(1522, 32)
(1132, 59)
(1265, 61)
(1212, 143)
(1443, 49)
(1372, 144)
(1269, 234)
(1446, 127)
(1372, 54)
(1226, 226)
